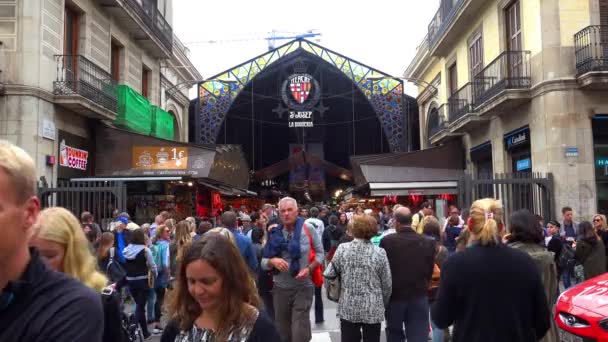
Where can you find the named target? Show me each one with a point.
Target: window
(71, 32)
(513, 22)
(476, 54)
(453, 79)
(145, 82)
(115, 60)
(604, 12)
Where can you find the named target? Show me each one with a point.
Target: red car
(581, 313)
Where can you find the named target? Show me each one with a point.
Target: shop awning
(226, 190)
(126, 154)
(428, 172)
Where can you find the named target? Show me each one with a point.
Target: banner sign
(71, 157)
(300, 119)
(160, 158)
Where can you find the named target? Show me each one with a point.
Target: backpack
(114, 270)
(566, 258)
(156, 256)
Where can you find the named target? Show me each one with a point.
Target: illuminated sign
(519, 138)
(300, 119)
(160, 157)
(71, 157)
(524, 164)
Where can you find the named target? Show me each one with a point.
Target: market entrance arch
(342, 108)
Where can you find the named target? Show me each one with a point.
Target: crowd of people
(254, 275)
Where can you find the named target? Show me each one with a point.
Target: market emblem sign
(71, 157)
(301, 92)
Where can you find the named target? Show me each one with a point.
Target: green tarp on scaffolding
(134, 112)
(162, 124)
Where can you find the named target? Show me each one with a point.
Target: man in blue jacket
(243, 243)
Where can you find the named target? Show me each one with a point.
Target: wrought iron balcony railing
(591, 49)
(437, 121)
(442, 19)
(510, 70)
(78, 75)
(461, 102)
(153, 19)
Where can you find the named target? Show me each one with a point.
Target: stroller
(120, 325)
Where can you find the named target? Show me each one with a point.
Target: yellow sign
(160, 157)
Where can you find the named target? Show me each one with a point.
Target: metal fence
(591, 49)
(442, 19)
(461, 102)
(520, 190)
(437, 121)
(78, 75)
(510, 70)
(100, 198)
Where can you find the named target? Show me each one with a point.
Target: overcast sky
(383, 34)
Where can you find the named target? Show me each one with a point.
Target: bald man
(411, 257)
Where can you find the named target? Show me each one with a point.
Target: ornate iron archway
(384, 92)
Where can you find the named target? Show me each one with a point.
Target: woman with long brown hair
(181, 240)
(216, 298)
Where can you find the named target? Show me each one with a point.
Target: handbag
(333, 285)
(317, 273)
(115, 272)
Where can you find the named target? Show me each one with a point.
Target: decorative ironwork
(591, 49)
(154, 20)
(461, 102)
(510, 70)
(383, 91)
(436, 121)
(78, 75)
(442, 19)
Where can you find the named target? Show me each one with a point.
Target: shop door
(600, 151)
(522, 167)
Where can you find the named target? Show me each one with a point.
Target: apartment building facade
(64, 64)
(523, 84)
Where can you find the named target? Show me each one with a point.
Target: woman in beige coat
(527, 236)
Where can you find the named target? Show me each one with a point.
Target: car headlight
(604, 324)
(575, 322)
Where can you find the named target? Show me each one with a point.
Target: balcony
(461, 110)
(84, 87)
(591, 51)
(503, 84)
(438, 131)
(450, 21)
(142, 19)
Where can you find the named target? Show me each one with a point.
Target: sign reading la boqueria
(300, 119)
(160, 158)
(71, 157)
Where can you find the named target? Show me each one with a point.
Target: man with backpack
(426, 209)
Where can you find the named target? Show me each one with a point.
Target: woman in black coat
(491, 292)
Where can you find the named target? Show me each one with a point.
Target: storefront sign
(601, 162)
(524, 164)
(519, 138)
(72, 157)
(160, 158)
(75, 156)
(300, 119)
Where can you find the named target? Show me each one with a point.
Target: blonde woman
(181, 241)
(61, 241)
(471, 280)
(59, 237)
